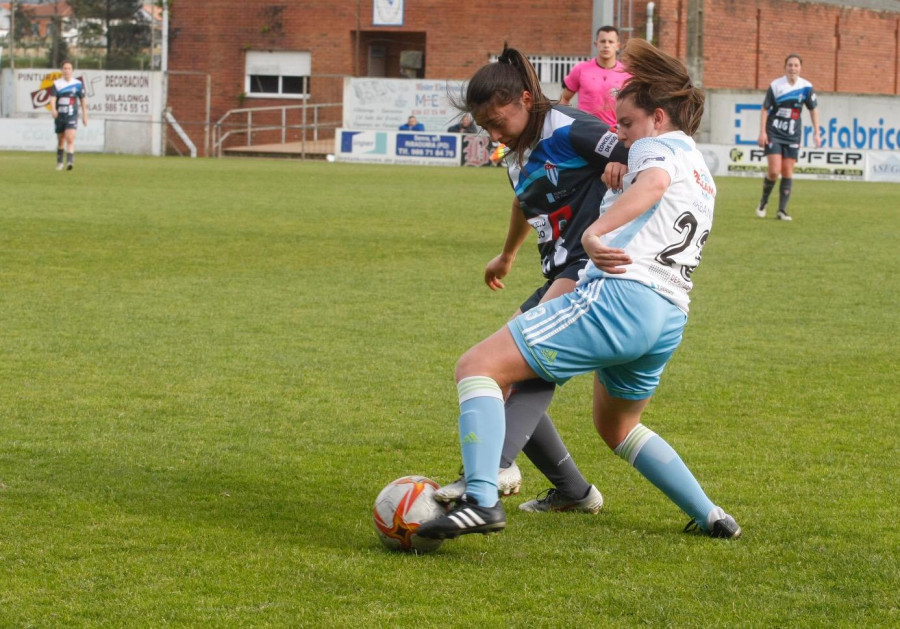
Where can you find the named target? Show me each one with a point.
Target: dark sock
(549, 454)
(785, 190)
(528, 401)
(59, 156)
(70, 158)
(768, 184)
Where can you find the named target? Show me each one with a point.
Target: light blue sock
(661, 465)
(482, 426)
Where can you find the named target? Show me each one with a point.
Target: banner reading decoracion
(108, 94)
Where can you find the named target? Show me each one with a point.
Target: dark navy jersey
(784, 102)
(67, 94)
(559, 187)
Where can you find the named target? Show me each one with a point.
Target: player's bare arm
(645, 192)
(500, 266)
(763, 136)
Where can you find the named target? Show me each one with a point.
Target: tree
(59, 48)
(115, 19)
(24, 27)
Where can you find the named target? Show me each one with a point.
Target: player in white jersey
(623, 322)
(781, 131)
(66, 94)
(664, 244)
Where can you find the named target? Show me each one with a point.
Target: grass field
(208, 370)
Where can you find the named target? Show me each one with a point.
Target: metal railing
(310, 121)
(551, 68)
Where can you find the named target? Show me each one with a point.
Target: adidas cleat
(554, 500)
(509, 480)
(467, 517)
(719, 525)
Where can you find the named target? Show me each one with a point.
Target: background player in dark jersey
(66, 94)
(555, 169)
(781, 130)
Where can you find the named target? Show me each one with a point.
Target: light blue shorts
(621, 329)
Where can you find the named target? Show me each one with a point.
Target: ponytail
(661, 81)
(503, 82)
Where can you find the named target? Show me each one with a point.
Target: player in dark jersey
(626, 316)
(66, 94)
(781, 131)
(555, 168)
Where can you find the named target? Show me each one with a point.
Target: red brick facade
(744, 42)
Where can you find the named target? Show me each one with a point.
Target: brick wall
(744, 41)
(843, 49)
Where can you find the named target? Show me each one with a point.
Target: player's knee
(613, 433)
(467, 365)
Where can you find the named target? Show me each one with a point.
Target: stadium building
(232, 55)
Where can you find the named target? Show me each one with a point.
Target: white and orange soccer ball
(399, 510)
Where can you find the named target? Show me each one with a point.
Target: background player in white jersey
(556, 176)
(66, 94)
(625, 318)
(781, 131)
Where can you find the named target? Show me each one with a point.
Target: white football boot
(554, 500)
(509, 480)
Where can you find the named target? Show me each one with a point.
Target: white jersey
(665, 242)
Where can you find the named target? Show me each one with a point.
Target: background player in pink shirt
(598, 81)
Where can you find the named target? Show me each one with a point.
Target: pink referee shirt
(597, 88)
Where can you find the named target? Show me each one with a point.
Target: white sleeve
(651, 153)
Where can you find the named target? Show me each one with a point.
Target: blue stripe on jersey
(678, 144)
(800, 94)
(627, 235)
(539, 173)
(546, 150)
(546, 153)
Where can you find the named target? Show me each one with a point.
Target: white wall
(846, 121)
(124, 111)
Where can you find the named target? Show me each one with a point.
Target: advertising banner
(388, 103)
(397, 147)
(846, 121)
(478, 150)
(108, 93)
(38, 134)
(883, 166)
(746, 161)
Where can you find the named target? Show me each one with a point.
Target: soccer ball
(399, 510)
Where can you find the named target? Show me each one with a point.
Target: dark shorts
(65, 122)
(569, 272)
(787, 150)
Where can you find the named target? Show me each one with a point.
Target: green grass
(208, 370)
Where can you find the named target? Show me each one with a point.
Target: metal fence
(551, 68)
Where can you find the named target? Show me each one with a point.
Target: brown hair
(793, 55)
(661, 81)
(606, 29)
(501, 83)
